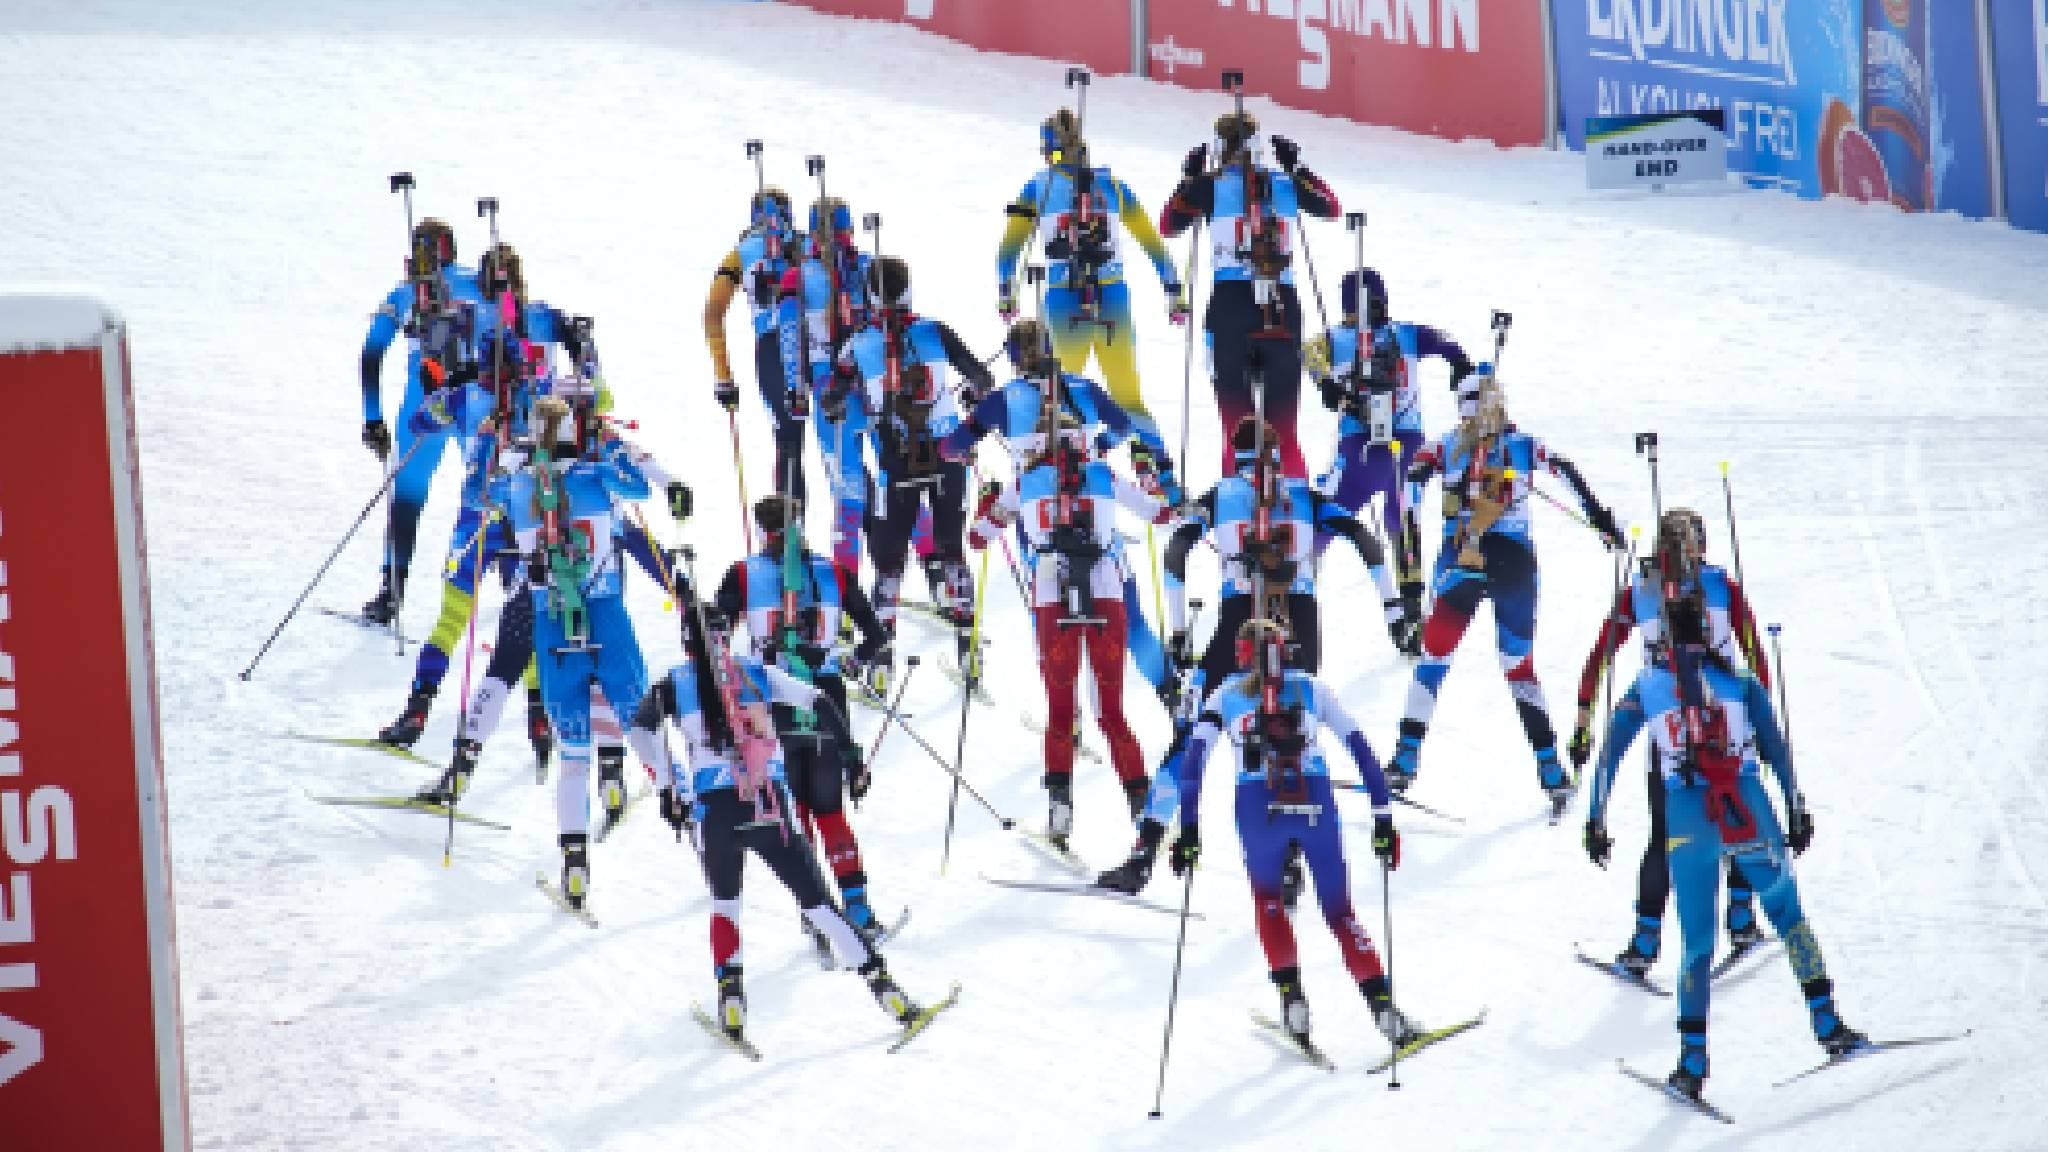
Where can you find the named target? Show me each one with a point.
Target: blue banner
(1788, 74)
(2019, 49)
(1923, 107)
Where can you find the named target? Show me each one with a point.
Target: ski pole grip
(401, 180)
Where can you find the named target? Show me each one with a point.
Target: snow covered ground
(217, 169)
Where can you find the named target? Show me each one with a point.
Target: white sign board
(1659, 148)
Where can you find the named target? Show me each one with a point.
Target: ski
(367, 744)
(364, 622)
(739, 1044)
(889, 931)
(1428, 1038)
(1872, 1048)
(1624, 975)
(1399, 798)
(1080, 749)
(1090, 890)
(859, 693)
(1301, 1046)
(607, 826)
(1736, 956)
(924, 1018)
(1561, 802)
(408, 804)
(1668, 1092)
(554, 893)
(951, 669)
(1057, 854)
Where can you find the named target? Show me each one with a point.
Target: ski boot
(1131, 876)
(1411, 611)
(861, 915)
(1744, 932)
(1399, 1030)
(1059, 817)
(1293, 1005)
(611, 787)
(383, 607)
(1837, 1038)
(1642, 947)
(1407, 758)
(892, 998)
(455, 781)
(1291, 878)
(540, 732)
(575, 868)
(1403, 629)
(732, 1002)
(1557, 784)
(1135, 793)
(405, 731)
(1691, 1073)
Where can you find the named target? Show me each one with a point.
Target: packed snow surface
(217, 169)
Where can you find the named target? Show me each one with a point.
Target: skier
(834, 292)
(1708, 722)
(792, 601)
(1272, 714)
(436, 307)
(760, 265)
(734, 797)
(1066, 500)
(1679, 562)
(1489, 467)
(1076, 207)
(897, 371)
(1261, 525)
(1368, 373)
(1253, 320)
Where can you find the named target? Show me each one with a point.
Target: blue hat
(1375, 289)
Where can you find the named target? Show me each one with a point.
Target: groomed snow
(218, 170)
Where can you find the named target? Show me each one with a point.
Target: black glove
(1581, 746)
(1334, 393)
(1197, 161)
(1187, 848)
(727, 394)
(1286, 153)
(1599, 845)
(1386, 843)
(675, 808)
(1180, 648)
(377, 438)
(680, 504)
(1799, 830)
(858, 777)
(1603, 522)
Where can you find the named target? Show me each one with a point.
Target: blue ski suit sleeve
(1193, 759)
(1621, 732)
(1431, 341)
(1331, 713)
(1770, 740)
(384, 328)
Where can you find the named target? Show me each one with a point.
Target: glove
(1406, 631)
(1581, 746)
(1603, 522)
(675, 808)
(1143, 462)
(1799, 829)
(858, 778)
(680, 503)
(1599, 845)
(727, 394)
(1187, 848)
(1176, 304)
(832, 402)
(1286, 153)
(1315, 357)
(1333, 392)
(1006, 301)
(1197, 161)
(377, 438)
(1386, 843)
(1180, 648)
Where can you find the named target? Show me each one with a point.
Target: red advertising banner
(1092, 32)
(90, 1051)
(1453, 68)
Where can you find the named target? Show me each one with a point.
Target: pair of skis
(1308, 1050)
(1868, 1048)
(1735, 958)
(911, 1029)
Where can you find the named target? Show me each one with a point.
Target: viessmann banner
(1454, 68)
(1788, 74)
(1092, 32)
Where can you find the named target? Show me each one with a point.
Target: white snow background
(217, 170)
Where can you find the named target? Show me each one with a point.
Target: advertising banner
(1923, 106)
(1787, 73)
(1092, 32)
(2019, 40)
(90, 1050)
(1658, 149)
(1452, 68)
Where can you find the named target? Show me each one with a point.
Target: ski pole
(1502, 321)
(1187, 892)
(760, 172)
(1734, 541)
(1187, 362)
(331, 557)
(970, 677)
(1646, 445)
(903, 723)
(1308, 257)
(909, 666)
(401, 182)
(1784, 690)
(739, 466)
(468, 656)
(1387, 934)
(488, 206)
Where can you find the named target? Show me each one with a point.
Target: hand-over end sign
(90, 1050)
(1656, 149)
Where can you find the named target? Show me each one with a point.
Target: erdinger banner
(1092, 32)
(1787, 73)
(1454, 68)
(2019, 37)
(90, 1055)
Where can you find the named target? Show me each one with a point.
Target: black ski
(408, 804)
(1301, 1046)
(1737, 955)
(1624, 975)
(1669, 1093)
(362, 621)
(1090, 890)
(1872, 1048)
(1428, 1038)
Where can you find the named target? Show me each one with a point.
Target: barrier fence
(1927, 104)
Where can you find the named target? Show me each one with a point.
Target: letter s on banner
(1315, 68)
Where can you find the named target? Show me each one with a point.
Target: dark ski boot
(611, 787)
(1691, 1074)
(540, 732)
(1399, 1030)
(1641, 952)
(383, 607)
(455, 781)
(575, 868)
(1744, 932)
(1836, 1037)
(1131, 876)
(1291, 878)
(1059, 816)
(892, 998)
(405, 731)
(732, 1002)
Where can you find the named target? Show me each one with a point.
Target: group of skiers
(766, 756)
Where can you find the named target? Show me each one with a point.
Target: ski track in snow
(217, 170)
